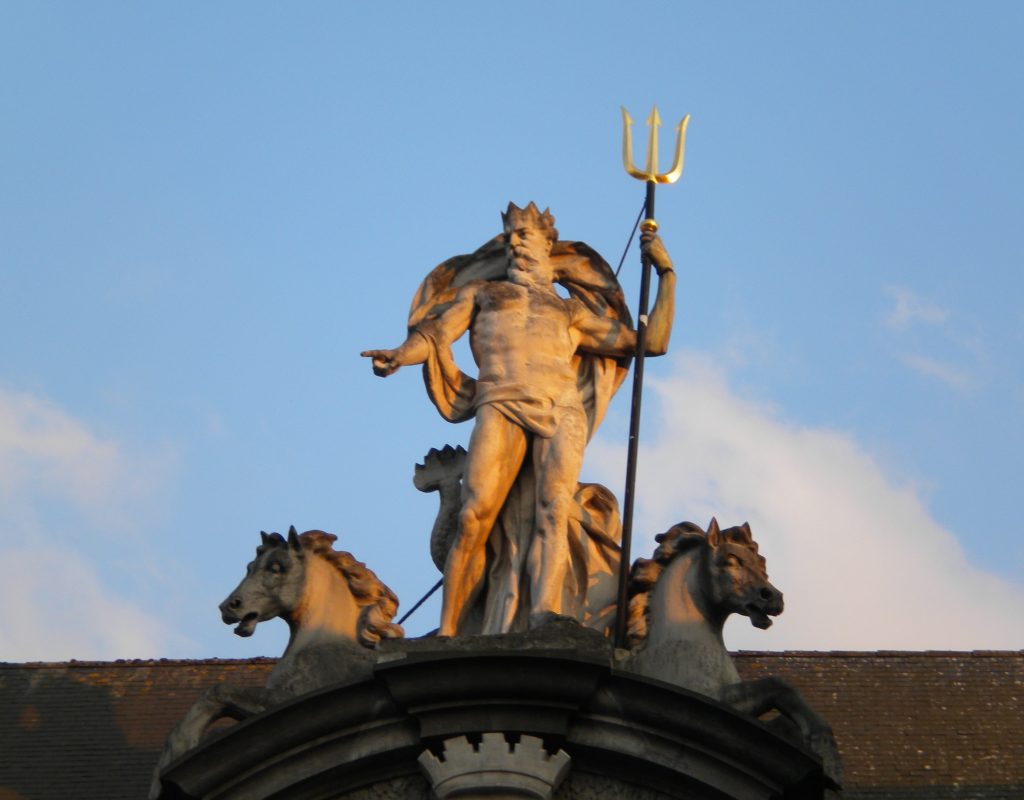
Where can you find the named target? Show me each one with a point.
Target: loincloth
(540, 415)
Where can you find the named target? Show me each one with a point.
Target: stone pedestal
(509, 716)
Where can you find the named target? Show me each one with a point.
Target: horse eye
(732, 561)
(276, 567)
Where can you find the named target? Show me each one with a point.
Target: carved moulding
(494, 768)
(627, 736)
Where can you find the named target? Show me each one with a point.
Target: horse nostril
(235, 603)
(766, 594)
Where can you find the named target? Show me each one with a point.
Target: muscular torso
(524, 336)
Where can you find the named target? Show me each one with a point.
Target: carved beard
(523, 269)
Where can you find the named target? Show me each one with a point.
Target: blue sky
(207, 211)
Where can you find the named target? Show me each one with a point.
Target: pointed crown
(532, 216)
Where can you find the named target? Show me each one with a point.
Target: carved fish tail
(441, 471)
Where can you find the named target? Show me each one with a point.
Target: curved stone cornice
(628, 731)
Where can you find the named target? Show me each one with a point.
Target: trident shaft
(652, 178)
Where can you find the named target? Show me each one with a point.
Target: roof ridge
(213, 661)
(879, 653)
(137, 662)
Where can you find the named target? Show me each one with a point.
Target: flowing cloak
(594, 526)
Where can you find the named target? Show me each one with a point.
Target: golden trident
(650, 172)
(652, 177)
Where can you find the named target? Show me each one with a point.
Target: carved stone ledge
(628, 737)
(495, 768)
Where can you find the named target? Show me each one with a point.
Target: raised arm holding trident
(547, 366)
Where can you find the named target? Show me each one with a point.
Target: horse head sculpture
(320, 592)
(698, 577)
(337, 611)
(679, 602)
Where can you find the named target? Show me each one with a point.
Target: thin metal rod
(621, 618)
(422, 600)
(632, 233)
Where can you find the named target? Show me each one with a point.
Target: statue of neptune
(547, 366)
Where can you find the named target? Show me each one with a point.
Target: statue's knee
(469, 516)
(553, 513)
(472, 526)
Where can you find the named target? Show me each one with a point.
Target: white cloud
(63, 489)
(862, 563)
(41, 447)
(57, 608)
(933, 368)
(48, 458)
(908, 308)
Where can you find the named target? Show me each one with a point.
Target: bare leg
(496, 451)
(557, 462)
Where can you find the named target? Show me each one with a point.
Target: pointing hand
(384, 362)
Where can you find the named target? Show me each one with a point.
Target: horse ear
(293, 539)
(264, 537)
(714, 535)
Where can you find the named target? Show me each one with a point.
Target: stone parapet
(621, 736)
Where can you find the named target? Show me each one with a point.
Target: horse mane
(643, 577)
(378, 603)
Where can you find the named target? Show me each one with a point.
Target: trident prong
(650, 173)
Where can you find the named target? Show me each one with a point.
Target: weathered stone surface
(408, 787)
(539, 683)
(557, 637)
(910, 725)
(591, 587)
(336, 609)
(547, 368)
(494, 767)
(682, 596)
(680, 600)
(441, 472)
(583, 786)
(576, 786)
(649, 737)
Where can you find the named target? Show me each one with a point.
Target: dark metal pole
(622, 616)
(422, 600)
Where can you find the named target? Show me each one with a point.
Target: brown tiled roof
(915, 724)
(95, 729)
(909, 725)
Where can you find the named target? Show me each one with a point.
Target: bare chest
(519, 334)
(506, 301)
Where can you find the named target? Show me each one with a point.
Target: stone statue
(590, 588)
(547, 367)
(679, 602)
(337, 611)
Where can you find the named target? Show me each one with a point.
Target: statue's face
(528, 249)
(272, 586)
(740, 584)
